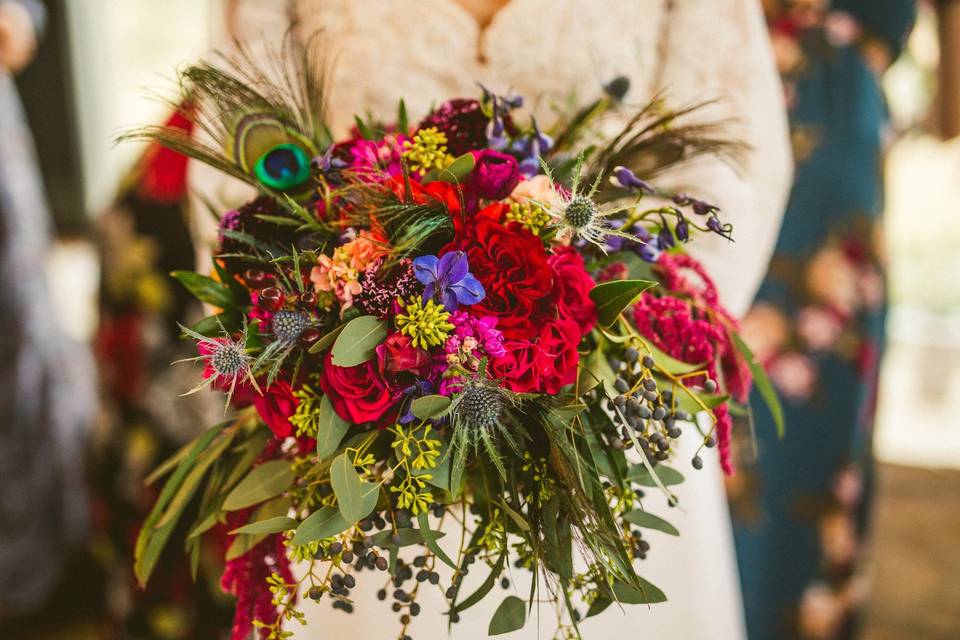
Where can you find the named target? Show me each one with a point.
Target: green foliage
(206, 289)
(509, 616)
(356, 497)
(456, 172)
(762, 382)
(358, 340)
(647, 520)
(613, 297)
(327, 340)
(325, 522)
(429, 406)
(262, 483)
(275, 524)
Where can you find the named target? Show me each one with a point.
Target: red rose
(275, 406)
(359, 394)
(557, 355)
(512, 266)
(544, 365)
(573, 288)
(517, 369)
(400, 357)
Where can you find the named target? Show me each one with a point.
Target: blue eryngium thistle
(287, 326)
(479, 415)
(577, 215)
(227, 362)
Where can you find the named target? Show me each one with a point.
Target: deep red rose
(359, 394)
(495, 174)
(573, 288)
(275, 406)
(545, 365)
(557, 356)
(517, 369)
(512, 266)
(401, 358)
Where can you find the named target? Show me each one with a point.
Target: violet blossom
(449, 277)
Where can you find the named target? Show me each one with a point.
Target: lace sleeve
(719, 49)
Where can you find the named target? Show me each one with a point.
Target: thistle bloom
(226, 362)
(450, 277)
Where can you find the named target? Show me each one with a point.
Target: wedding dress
(694, 50)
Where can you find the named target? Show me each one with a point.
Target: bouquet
(466, 328)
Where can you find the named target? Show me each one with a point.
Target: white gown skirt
(696, 570)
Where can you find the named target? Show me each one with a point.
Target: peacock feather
(262, 119)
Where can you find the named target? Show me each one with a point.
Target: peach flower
(340, 273)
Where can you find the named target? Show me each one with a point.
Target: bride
(548, 50)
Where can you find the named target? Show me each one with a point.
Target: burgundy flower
(463, 122)
(495, 175)
(401, 359)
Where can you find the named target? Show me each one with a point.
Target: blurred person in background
(144, 418)
(818, 325)
(46, 382)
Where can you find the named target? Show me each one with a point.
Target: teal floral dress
(800, 504)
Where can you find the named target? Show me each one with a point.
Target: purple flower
(682, 229)
(627, 179)
(450, 277)
(495, 174)
(700, 207)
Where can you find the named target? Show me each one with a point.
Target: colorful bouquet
(468, 320)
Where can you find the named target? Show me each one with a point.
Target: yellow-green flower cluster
(427, 324)
(530, 215)
(427, 150)
(306, 419)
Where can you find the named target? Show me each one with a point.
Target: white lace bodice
(551, 51)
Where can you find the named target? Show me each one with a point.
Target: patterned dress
(800, 505)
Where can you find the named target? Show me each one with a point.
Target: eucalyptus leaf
(430, 538)
(326, 341)
(356, 497)
(484, 588)
(206, 289)
(404, 538)
(270, 525)
(322, 523)
(358, 341)
(243, 542)
(668, 475)
(429, 406)
(646, 593)
(330, 429)
(266, 481)
(509, 616)
(647, 520)
(762, 383)
(613, 297)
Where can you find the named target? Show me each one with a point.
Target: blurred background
(105, 66)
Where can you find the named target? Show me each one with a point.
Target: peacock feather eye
(285, 166)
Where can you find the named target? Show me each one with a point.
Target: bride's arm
(720, 49)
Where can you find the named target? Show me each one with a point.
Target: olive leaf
(206, 289)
